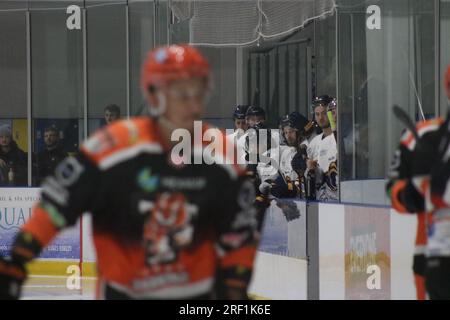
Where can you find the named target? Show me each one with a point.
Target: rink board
(350, 238)
(15, 209)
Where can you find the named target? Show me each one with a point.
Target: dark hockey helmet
(297, 121)
(332, 104)
(240, 111)
(323, 100)
(255, 111)
(294, 120)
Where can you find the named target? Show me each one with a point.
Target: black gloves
(12, 276)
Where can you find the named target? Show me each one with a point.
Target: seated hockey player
(281, 178)
(322, 154)
(255, 115)
(259, 144)
(240, 128)
(290, 183)
(162, 230)
(239, 120)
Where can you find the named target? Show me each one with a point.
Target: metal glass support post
(437, 60)
(29, 109)
(85, 74)
(127, 43)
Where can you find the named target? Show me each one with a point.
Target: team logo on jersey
(146, 181)
(168, 228)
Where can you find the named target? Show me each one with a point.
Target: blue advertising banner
(284, 230)
(15, 210)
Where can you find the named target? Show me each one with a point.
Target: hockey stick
(401, 115)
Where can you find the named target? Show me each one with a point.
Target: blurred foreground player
(407, 188)
(162, 230)
(437, 272)
(417, 168)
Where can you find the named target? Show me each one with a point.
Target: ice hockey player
(254, 116)
(239, 118)
(437, 270)
(322, 154)
(406, 188)
(162, 230)
(240, 127)
(290, 180)
(283, 177)
(418, 177)
(259, 144)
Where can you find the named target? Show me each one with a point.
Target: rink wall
(353, 252)
(65, 250)
(308, 250)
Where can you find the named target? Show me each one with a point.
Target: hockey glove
(331, 176)
(12, 270)
(233, 283)
(12, 276)
(289, 209)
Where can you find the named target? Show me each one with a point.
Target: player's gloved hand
(12, 270)
(412, 199)
(265, 188)
(289, 209)
(12, 276)
(262, 200)
(233, 283)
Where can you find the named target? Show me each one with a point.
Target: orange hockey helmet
(165, 64)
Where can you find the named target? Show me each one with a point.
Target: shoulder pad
(118, 136)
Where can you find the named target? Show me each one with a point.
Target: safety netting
(244, 22)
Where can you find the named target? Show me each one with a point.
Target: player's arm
(405, 194)
(237, 238)
(65, 195)
(440, 185)
(440, 173)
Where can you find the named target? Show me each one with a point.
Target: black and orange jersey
(439, 235)
(440, 175)
(161, 229)
(409, 175)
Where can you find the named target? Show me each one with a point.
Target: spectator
(112, 113)
(54, 153)
(13, 161)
